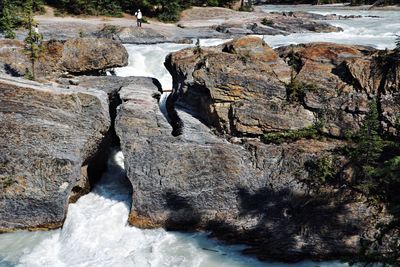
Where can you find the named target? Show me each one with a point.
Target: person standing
(139, 17)
(37, 37)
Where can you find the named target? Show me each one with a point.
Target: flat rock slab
(47, 134)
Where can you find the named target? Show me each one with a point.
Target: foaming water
(376, 28)
(148, 60)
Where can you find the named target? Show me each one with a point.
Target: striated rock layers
(244, 190)
(49, 141)
(74, 56)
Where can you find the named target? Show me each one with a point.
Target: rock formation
(241, 74)
(233, 23)
(74, 56)
(50, 138)
(242, 87)
(243, 190)
(250, 192)
(216, 174)
(246, 191)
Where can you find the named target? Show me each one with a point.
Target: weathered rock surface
(76, 56)
(92, 54)
(345, 78)
(49, 138)
(251, 193)
(132, 35)
(233, 23)
(242, 87)
(12, 60)
(239, 87)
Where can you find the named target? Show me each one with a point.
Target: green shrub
(246, 9)
(6, 182)
(369, 143)
(6, 23)
(88, 7)
(33, 41)
(213, 3)
(59, 13)
(294, 61)
(110, 29)
(145, 20)
(320, 171)
(311, 132)
(295, 90)
(377, 176)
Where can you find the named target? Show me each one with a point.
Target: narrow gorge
(228, 152)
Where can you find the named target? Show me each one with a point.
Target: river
(376, 28)
(96, 233)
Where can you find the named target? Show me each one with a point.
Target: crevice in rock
(174, 119)
(343, 73)
(94, 167)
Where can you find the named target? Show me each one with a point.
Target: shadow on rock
(298, 226)
(182, 214)
(174, 119)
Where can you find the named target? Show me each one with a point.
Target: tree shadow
(290, 226)
(183, 216)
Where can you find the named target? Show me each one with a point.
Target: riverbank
(341, 6)
(196, 22)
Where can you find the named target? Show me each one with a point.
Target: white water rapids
(376, 28)
(96, 233)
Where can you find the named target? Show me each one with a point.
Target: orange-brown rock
(239, 87)
(344, 78)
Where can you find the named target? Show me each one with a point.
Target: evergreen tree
(397, 48)
(33, 41)
(6, 21)
(369, 142)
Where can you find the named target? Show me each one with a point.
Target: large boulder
(49, 140)
(251, 192)
(76, 56)
(92, 54)
(245, 88)
(238, 87)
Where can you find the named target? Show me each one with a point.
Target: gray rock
(92, 54)
(251, 193)
(48, 134)
(260, 29)
(78, 56)
(390, 106)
